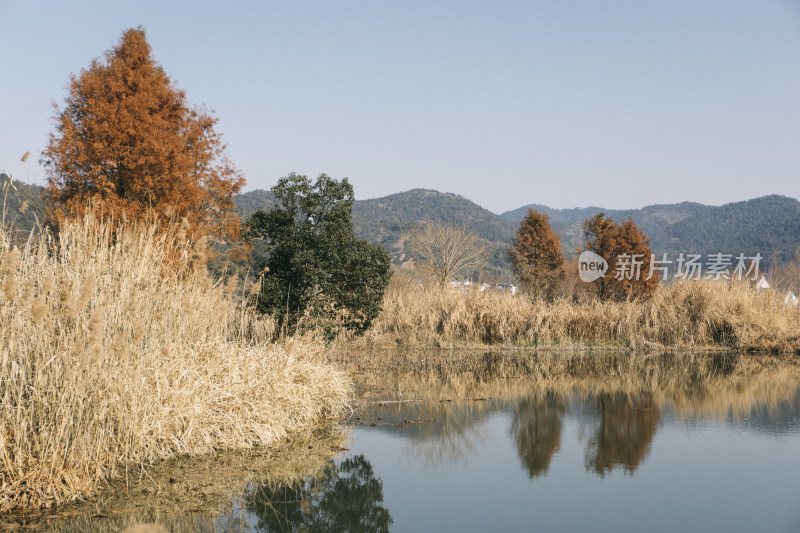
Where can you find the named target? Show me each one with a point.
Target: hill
(248, 203)
(567, 223)
(769, 225)
(650, 218)
(419, 205)
(21, 204)
(387, 220)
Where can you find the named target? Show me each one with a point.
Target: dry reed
(695, 314)
(118, 351)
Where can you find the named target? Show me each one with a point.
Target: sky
(568, 104)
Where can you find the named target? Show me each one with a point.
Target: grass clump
(118, 351)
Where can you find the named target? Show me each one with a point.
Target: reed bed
(117, 351)
(692, 314)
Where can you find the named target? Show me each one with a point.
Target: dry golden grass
(696, 314)
(117, 351)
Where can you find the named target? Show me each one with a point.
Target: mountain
(649, 219)
(21, 204)
(248, 203)
(387, 220)
(769, 225)
(378, 218)
(567, 223)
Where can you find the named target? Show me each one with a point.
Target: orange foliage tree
(127, 144)
(627, 250)
(536, 256)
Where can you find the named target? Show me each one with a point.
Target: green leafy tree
(314, 266)
(536, 256)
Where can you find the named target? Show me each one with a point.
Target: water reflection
(439, 433)
(626, 428)
(620, 428)
(615, 429)
(346, 497)
(536, 428)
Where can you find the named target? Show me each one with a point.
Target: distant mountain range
(769, 225)
(567, 223)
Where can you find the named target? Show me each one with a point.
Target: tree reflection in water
(624, 434)
(347, 497)
(536, 428)
(624, 430)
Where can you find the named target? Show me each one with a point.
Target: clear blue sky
(617, 104)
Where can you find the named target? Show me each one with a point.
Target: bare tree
(446, 251)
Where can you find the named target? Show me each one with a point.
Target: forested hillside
(377, 216)
(249, 202)
(22, 204)
(567, 223)
(769, 225)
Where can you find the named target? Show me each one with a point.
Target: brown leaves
(536, 255)
(611, 241)
(129, 145)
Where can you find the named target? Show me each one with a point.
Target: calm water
(597, 463)
(506, 444)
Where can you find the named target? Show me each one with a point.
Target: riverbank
(118, 352)
(690, 315)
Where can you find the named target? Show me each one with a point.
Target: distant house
(508, 287)
(462, 286)
(500, 287)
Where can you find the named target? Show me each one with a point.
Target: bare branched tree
(446, 251)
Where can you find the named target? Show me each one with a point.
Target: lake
(520, 442)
